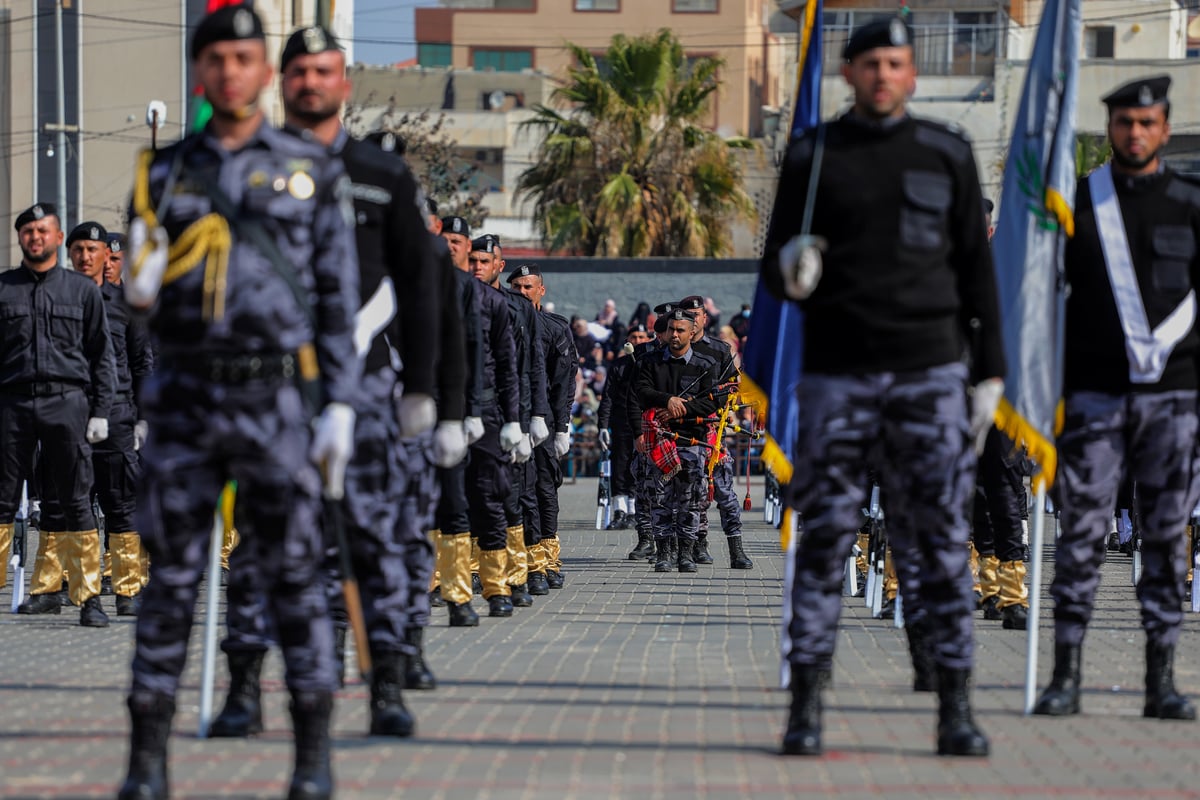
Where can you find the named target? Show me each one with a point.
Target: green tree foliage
(1091, 151)
(625, 166)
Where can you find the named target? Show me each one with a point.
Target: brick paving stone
(623, 684)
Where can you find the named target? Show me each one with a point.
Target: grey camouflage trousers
(912, 429)
(1151, 438)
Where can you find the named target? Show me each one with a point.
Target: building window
(502, 60)
(1099, 41)
(694, 6)
(597, 5)
(435, 54)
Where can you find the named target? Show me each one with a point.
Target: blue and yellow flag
(772, 361)
(1036, 218)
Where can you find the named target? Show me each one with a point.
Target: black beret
(311, 40)
(231, 23)
(660, 324)
(456, 225)
(88, 232)
(484, 244)
(34, 213)
(116, 242)
(879, 32)
(679, 313)
(524, 271)
(639, 328)
(1142, 93)
(691, 303)
(988, 206)
(665, 308)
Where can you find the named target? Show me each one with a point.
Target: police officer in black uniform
(115, 460)
(647, 488)
(254, 323)
(116, 257)
(907, 274)
(540, 502)
(1130, 388)
(57, 381)
(612, 421)
(678, 385)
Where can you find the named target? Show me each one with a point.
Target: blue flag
(772, 361)
(1036, 218)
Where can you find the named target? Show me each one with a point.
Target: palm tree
(626, 168)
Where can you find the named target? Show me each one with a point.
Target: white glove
(141, 430)
(605, 439)
(473, 426)
(985, 399)
(524, 449)
(332, 446)
(97, 430)
(510, 436)
(418, 414)
(562, 444)
(147, 252)
(538, 431)
(449, 444)
(800, 265)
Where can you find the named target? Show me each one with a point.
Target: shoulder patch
(1185, 190)
(951, 141)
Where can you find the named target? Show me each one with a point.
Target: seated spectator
(642, 316)
(584, 341)
(714, 317)
(608, 314)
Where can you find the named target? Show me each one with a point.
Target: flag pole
(1035, 596)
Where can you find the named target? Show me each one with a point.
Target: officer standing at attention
(613, 422)
(561, 366)
(647, 486)
(116, 257)
(115, 460)
(57, 380)
(1130, 388)
(676, 386)
(728, 504)
(257, 371)
(899, 221)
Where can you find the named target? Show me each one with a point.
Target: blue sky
(383, 30)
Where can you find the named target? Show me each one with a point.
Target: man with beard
(57, 380)
(1130, 387)
(896, 281)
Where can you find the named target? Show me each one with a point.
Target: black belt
(487, 395)
(239, 369)
(39, 389)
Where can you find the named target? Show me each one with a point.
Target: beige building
(518, 35)
(118, 57)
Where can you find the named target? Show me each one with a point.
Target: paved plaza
(624, 684)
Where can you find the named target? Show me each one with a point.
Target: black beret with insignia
(1142, 93)
(639, 328)
(691, 303)
(88, 232)
(680, 314)
(34, 213)
(231, 23)
(311, 40)
(665, 308)
(456, 225)
(116, 242)
(524, 271)
(484, 244)
(879, 32)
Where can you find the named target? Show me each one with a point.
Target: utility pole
(60, 127)
(324, 14)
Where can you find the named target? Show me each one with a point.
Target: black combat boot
(643, 549)
(312, 777)
(667, 557)
(957, 733)
(803, 734)
(687, 554)
(1162, 701)
(521, 598)
(701, 550)
(92, 615)
(128, 606)
(242, 714)
(537, 584)
(462, 615)
(435, 598)
(499, 606)
(1061, 697)
(49, 603)
(417, 674)
(1016, 617)
(150, 716)
(924, 668)
(389, 716)
(617, 522)
(737, 556)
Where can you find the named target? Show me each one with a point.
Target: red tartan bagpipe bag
(660, 446)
